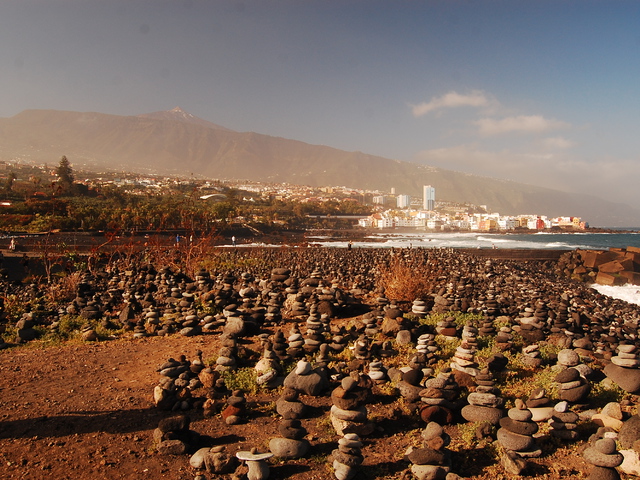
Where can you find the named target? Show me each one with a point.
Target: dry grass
(401, 282)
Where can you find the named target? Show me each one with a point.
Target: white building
(403, 201)
(429, 197)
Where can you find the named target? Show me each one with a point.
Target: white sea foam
(628, 293)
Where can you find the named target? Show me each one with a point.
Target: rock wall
(616, 266)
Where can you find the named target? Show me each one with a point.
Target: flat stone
(627, 378)
(519, 414)
(513, 441)
(429, 472)
(629, 432)
(594, 457)
(288, 448)
(484, 400)
(521, 428)
(568, 357)
(476, 413)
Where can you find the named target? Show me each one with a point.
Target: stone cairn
(280, 346)
(531, 356)
(539, 405)
(296, 343)
(307, 380)
(504, 338)
(313, 337)
(432, 460)
(464, 358)
(563, 422)
(624, 368)
(173, 436)
(213, 460)
(484, 403)
(235, 411)
(419, 308)
(289, 404)
(173, 391)
(530, 325)
(516, 437)
(292, 443)
(377, 372)
(348, 413)
(447, 328)
(438, 398)
(347, 457)
(574, 388)
(605, 458)
(428, 347)
(269, 370)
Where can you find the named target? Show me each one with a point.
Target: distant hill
(175, 142)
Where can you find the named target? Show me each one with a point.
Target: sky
(540, 92)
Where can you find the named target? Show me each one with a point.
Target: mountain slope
(175, 142)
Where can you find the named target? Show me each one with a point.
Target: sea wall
(616, 266)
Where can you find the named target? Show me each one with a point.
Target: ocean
(550, 241)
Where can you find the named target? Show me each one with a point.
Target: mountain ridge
(175, 142)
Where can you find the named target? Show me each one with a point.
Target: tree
(65, 174)
(8, 186)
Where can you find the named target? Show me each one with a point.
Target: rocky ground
(80, 410)
(85, 410)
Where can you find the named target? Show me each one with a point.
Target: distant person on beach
(177, 240)
(233, 240)
(349, 245)
(12, 245)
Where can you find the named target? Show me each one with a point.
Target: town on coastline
(434, 215)
(40, 198)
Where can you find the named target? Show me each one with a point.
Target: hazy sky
(544, 92)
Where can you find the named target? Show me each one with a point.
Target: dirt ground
(85, 411)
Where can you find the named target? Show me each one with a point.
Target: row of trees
(72, 206)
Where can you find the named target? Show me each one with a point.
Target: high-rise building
(429, 197)
(403, 201)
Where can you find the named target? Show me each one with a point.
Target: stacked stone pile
(563, 422)
(604, 457)
(307, 380)
(447, 328)
(269, 370)
(574, 388)
(314, 335)
(235, 411)
(420, 308)
(464, 360)
(291, 444)
(531, 355)
(213, 460)
(438, 398)
(289, 404)
(347, 457)
(530, 324)
(539, 404)
(432, 460)
(174, 437)
(484, 403)
(516, 436)
(504, 338)
(349, 410)
(624, 368)
(174, 389)
(257, 466)
(296, 343)
(428, 347)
